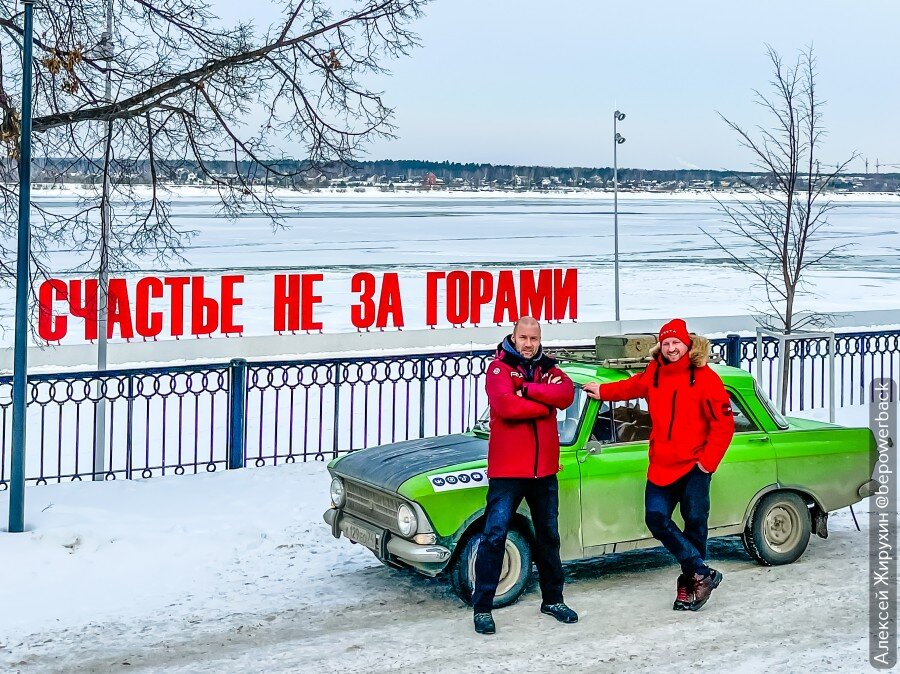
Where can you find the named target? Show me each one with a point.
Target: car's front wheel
(778, 532)
(515, 573)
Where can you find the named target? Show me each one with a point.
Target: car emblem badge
(459, 479)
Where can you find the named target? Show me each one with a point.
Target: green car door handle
(764, 438)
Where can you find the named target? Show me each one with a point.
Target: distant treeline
(390, 170)
(505, 172)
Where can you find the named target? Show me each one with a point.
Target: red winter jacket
(524, 438)
(690, 411)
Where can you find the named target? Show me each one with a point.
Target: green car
(420, 504)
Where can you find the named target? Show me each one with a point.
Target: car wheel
(778, 531)
(515, 573)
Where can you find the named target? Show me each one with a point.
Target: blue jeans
(503, 498)
(691, 494)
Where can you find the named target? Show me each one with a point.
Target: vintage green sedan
(419, 504)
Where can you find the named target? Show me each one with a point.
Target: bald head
(526, 336)
(526, 322)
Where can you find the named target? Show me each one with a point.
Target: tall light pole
(103, 276)
(23, 258)
(618, 139)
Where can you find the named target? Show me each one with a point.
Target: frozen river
(668, 265)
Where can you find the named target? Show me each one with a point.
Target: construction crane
(879, 164)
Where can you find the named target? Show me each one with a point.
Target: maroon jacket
(524, 438)
(690, 412)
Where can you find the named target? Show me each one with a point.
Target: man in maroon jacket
(524, 389)
(692, 421)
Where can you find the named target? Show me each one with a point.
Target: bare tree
(186, 92)
(782, 219)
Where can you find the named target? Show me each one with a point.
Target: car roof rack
(588, 356)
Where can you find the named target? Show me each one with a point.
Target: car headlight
(406, 520)
(338, 495)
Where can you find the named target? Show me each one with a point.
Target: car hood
(389, 466)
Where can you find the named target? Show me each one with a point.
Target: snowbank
(126, 550)
(236, 572)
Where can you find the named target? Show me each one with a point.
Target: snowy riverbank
(236, 572)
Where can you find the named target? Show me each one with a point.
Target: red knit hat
(676, 328)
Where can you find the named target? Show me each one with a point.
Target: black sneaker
(561, 612)
(703, 587)
(484, 623)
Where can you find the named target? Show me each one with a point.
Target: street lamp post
(20, 352)
(618, 139)
(103, 276)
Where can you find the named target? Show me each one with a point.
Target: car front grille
(374, 506)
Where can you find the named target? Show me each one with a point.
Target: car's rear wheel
(515, 573)
(778, 531)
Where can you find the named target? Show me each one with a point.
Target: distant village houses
(413, 175)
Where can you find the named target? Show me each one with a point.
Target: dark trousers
(691, 494)
(503, 498)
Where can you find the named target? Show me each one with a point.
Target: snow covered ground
(237, 572)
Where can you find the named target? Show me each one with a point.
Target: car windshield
(777, 416)
(567, 420)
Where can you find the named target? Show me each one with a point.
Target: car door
(748, 466)
(613, 475)
(569, 422)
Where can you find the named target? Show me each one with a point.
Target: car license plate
(361, 535)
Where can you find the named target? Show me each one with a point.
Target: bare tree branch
(782, 225)
(189, 93)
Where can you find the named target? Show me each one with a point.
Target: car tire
(515, 575)
(779, 529)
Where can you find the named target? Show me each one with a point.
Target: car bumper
(387, 547)
(868, 488)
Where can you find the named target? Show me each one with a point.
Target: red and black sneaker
(685, 594)
(703, 587)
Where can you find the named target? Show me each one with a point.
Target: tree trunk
(786, 355)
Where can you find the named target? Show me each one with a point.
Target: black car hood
(389, 466)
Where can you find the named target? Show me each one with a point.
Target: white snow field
(668, 265)
(236, 572)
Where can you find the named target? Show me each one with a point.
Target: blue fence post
(422, 381)
(862, 369)
(23, 259)
(129, 438)
(237, 401)
(733, 350)
(337, 410)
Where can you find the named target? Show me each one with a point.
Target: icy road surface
(237, 572)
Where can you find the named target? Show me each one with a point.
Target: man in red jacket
(524, 389)
(692, 427)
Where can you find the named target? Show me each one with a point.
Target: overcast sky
(536, 82)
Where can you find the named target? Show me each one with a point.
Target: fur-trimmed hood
(699, 353)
